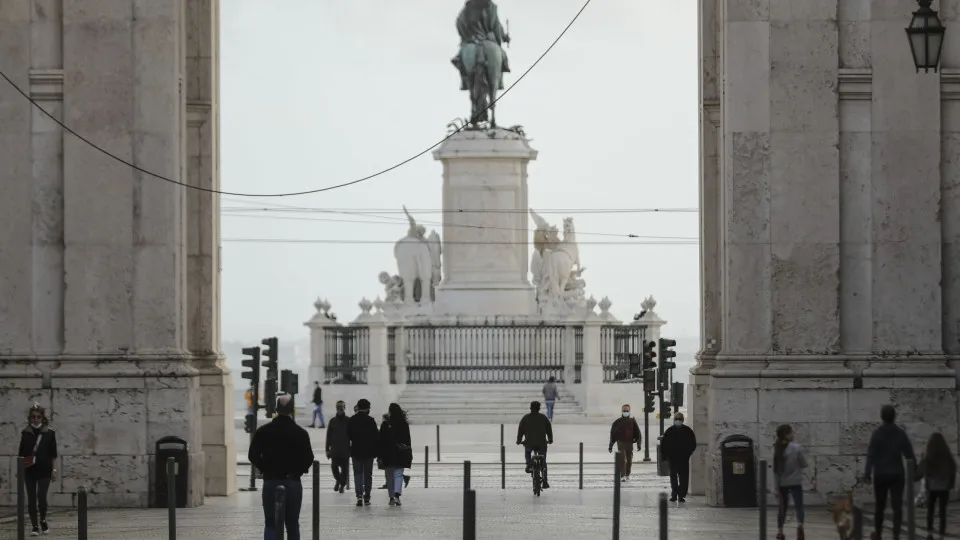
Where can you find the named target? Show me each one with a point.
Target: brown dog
(843, 517)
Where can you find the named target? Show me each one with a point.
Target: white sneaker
(35, 532)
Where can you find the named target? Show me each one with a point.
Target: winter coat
(338, 438)
(364, 436)
(678, 444)
(46, 452)
(395, 446)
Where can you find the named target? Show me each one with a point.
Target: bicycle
(539, 466)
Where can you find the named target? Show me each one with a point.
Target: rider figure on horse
(478, 21)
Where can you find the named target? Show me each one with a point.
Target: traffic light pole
(662, 410)
(646, 434)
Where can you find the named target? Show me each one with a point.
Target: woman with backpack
(395, 450)
(788, 465)
(939, 470)
(38, 448)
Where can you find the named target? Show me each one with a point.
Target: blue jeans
(785, 492)
(294, 498)
(317, 415)
(550, 403)
(394, 481)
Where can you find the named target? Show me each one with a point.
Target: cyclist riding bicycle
(535, 433)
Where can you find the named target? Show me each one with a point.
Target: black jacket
(535, 430)
(338, 440)
(46, 450)
(889, 445)
(678, 444)
(281, 449)
(618, 431)
(317, 396)
(364, 436)
(395, 444)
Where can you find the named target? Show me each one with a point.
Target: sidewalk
(953, 521)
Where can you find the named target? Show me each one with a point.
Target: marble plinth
(485, 224)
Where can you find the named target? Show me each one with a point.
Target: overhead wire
(292, 193)
(446, 242)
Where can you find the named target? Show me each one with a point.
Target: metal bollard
(857, 522)
(316, 500)
(21, 519)
(426, 467)
(470, 515)
(911, 506)
(762, 494)
(280, 511)
(82, 513)
(501, 435)
(438, 443)
(581, 465)
(466, 475)
(503, 467)
(664, 530)
(617, 463)
(172, 497)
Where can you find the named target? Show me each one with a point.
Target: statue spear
(508, 32)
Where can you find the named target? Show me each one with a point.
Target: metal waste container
(176, 448)
(663, 468)
(739, 472)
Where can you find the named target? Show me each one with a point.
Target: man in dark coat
(535, 432)
(889, 446)
(317, 406)
(625, 432)
(364, 441)
(338, 447)
(281, 450)
(676, 446)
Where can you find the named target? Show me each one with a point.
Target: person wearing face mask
(38, 448)
(625, 432)
(338, 447)
(676, 446)
(364, 445)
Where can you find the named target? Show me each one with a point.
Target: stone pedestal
(485, 224)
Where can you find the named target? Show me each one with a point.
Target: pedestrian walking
(550, 396)
(889, 445)
(395, 450)
(317, 406)
(281, 451)
(338, 447)
(676, 446)
(364, 442)
(248, 395)
(939, 471)
(624, 433)
(788, 464)
(38, 448)
(380, 465)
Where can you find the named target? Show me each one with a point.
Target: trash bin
(663, 468)
(739, 472)
(176, 448)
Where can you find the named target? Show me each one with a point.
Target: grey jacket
(550, 392)
(793, 464)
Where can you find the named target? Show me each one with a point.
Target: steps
(482, 403)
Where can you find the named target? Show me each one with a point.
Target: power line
(482, 227)
(565, 211)
(294, 193)
(446, 243)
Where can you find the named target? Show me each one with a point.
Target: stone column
(485, 224)
(321, 320)
(570, 354)
(829, 247)
(591, 373)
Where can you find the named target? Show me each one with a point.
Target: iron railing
(392, 353)
(577, 354)
(484, 354)
(617, 345)
(347, 354)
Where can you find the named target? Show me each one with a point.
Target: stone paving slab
(437, 514)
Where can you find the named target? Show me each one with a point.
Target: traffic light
(270, 352)
(253, 375)
(250, 423)
(636, 365)
(676, 394)
(289, 382)
(270, 397)
(665, 364)
(649, 367)
(649, 402)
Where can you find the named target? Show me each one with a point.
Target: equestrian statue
(481, 59)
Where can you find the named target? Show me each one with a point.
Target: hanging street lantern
(925, 34)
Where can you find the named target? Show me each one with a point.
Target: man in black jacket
(889, 446)
(625, 432)
(535, 432)
(338, 447)
(281, 450)
(677, 445)
(364, 440)
(317, 406)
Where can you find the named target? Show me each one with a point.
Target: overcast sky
(316, 93)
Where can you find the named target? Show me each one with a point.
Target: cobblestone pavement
(437, 514)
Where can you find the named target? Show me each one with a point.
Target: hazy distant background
(320, 93)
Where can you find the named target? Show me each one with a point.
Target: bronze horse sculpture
(481, 60)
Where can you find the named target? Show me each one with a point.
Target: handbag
(31, 460)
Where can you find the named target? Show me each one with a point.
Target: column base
(108, 413)
(485, 300)
(217, 408)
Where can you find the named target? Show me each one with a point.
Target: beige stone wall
(109, 285)
(828, 222)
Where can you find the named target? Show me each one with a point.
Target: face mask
(626, 414)
(677, 423)
(36, 426)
